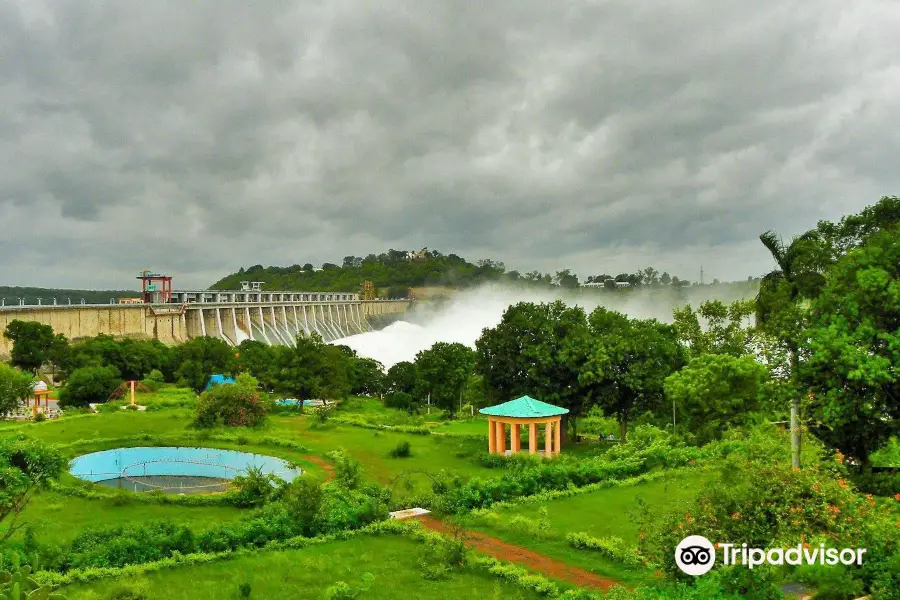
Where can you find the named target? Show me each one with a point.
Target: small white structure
(408, 513)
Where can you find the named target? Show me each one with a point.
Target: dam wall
(269, 320)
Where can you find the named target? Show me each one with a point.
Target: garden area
(770, 423)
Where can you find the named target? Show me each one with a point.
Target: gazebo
(40, 391)
(524, 411)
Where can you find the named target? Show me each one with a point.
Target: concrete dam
(268, 317)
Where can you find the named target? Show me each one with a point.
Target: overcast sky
(198, 137)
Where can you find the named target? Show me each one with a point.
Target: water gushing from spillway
(463, 318)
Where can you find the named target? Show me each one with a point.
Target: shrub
(233, 405)
(401, 450)
(341, 590)
(612, 548)
(155, 375)
(244, 590)
(128, 592)
(347, 470)
(400, 401)
(89, 384)
(254, 488)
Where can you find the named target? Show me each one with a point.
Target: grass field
(57, 518)
(601, 513)
(307, 573)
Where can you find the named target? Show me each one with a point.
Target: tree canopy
(852, 349)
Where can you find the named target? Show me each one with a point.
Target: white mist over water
(463, 318)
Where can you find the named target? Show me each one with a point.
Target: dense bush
(400, 401)
(401, 450)
(758, 499)
(254, 488)
(648, 449)
(88, 385)
(612, 548)
(15, 387)
(233, 405)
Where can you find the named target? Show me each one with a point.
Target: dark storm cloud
(603, 136)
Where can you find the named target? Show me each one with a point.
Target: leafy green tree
(403, 377)
(196, 360)
(367, 376)
(89, 384)
(233, 405)
(565, 279)
(33, 344)
(25, 467)
(852, 231)
(259, 360)
(539, 350)
(445, 370)
(15, 388)
(314, 369)
(714, 392)
(627, 364)
(852, 348)
(726, 329)
(133, 358)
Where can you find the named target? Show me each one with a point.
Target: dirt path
(516, 554)
(321, 462)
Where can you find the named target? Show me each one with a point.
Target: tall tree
(565, 279)
(796, 278)
(15, 388)
(852, 349)
(717, 328)
(445, 370)
(33, 344)
(537, 349)
(715, 391)
(194, 361)
(628, 363)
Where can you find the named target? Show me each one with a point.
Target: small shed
(524, 411)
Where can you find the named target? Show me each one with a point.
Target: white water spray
(462, 318)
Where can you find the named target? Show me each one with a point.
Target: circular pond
(175, 470)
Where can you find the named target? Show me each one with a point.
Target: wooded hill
(395, 271)
(10, 295)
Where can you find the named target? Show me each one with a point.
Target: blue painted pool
(294, 402)
(174, 469)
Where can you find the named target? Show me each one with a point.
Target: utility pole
(673, 416)
(701, 274)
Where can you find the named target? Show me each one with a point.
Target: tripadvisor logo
(696, 555)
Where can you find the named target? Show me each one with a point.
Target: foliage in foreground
(758, 499)
(15, 387)
(25, 466)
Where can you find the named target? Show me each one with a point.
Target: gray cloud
(603, 136)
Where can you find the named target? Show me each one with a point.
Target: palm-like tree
(797, 278)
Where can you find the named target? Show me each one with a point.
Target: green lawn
(307, 573)
(601, 513)
(57, 518)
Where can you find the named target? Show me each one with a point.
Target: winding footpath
(501, 550)
(522, 556)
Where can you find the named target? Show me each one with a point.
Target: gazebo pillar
(557, 427)
(548, 439)
(515, 439)
(492, 436)
(532, 438)
(501, 437)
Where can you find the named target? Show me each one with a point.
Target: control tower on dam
(232, 316)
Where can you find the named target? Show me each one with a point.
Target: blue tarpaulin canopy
(217, 379)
